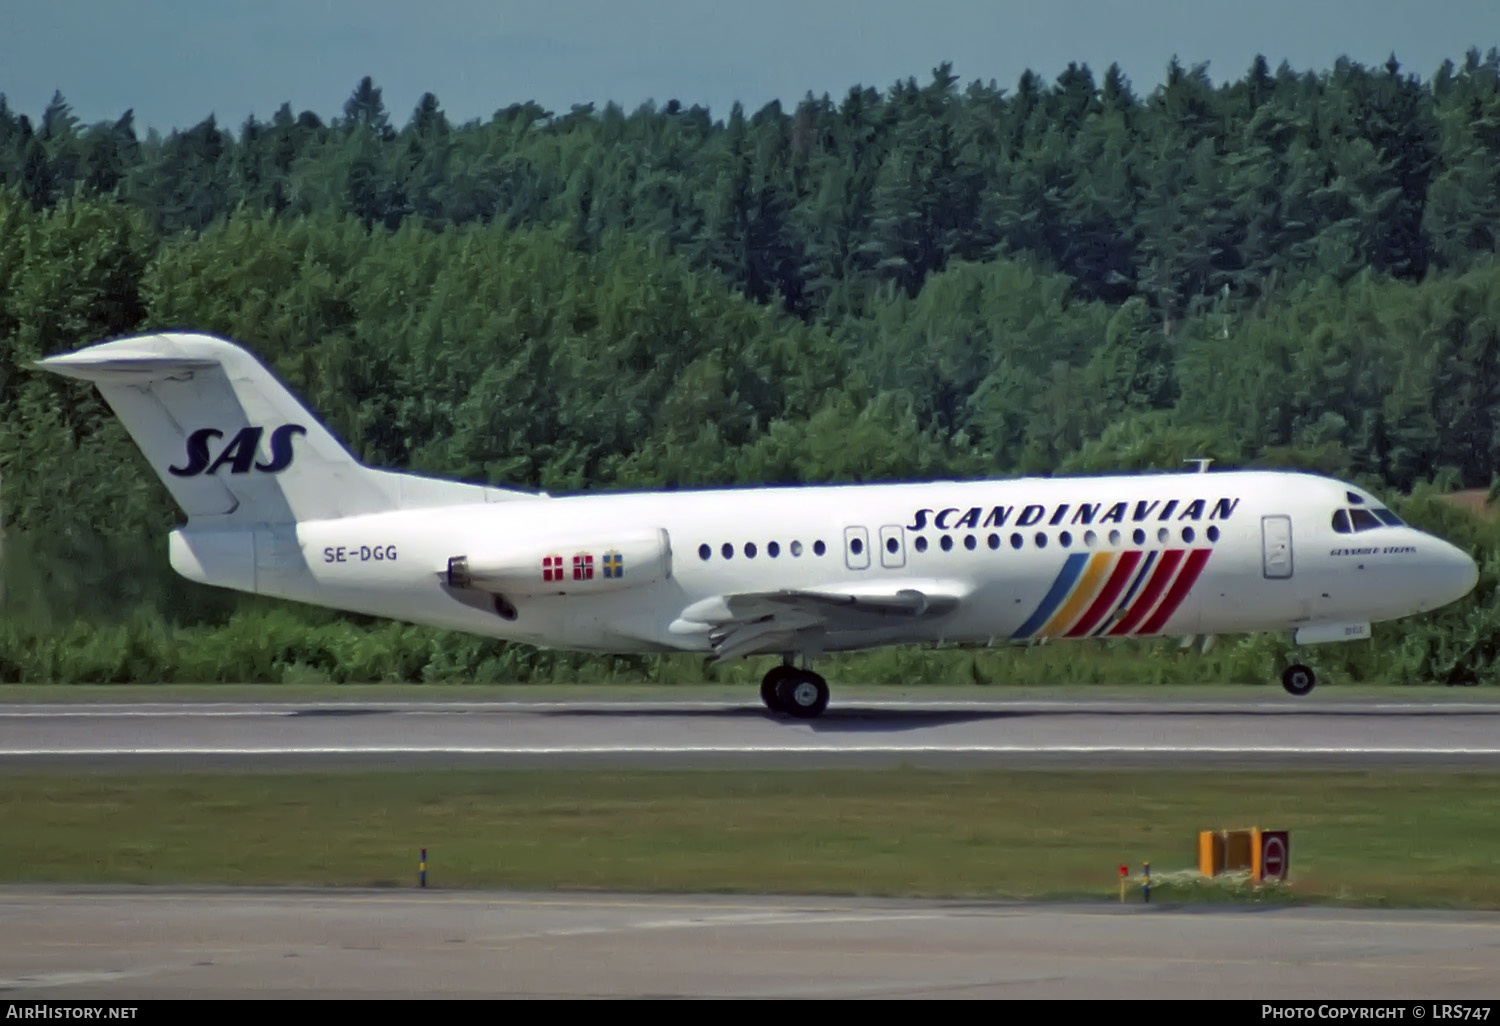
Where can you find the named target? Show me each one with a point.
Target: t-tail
(240, 454)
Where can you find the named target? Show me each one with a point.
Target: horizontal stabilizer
(90, 365)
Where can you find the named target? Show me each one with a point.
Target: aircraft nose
(1454, 573)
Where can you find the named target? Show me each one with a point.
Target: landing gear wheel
(1298, 679)
(803, 694)
(769, 685)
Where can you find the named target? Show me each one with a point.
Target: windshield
(1357, 519)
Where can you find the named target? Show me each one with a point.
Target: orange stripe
(1093, 574)
(1118, 578)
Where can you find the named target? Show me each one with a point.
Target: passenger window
(1041, 540)
(819, 548)
(891, 545)
(773, 549)
(947, 542)
(704, 551)
(750, 550)
(796, 549)
(921, 543)
(1015, 541)
(1065, 539)
(994, 541)
(1340, 521)
(1363, 520)
(969, 542)
(728, 550)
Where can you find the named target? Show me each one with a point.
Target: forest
(931, 280)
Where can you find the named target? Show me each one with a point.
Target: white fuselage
(278, 506)
(1123, 556)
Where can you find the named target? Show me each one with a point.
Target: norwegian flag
(552, 568)
(583, 567)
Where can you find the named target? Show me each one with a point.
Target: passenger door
(1276, 542)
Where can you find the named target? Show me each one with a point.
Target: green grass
(1412, 838)
(844, 691)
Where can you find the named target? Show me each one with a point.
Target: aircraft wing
(770, 621)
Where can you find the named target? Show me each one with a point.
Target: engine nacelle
(575, 565)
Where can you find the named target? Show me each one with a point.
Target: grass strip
(1396, 838)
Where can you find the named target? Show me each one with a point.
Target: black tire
(769, 693)
(1298, 679)
(803, 694)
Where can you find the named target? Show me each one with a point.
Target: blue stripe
(1066, 578)
(1135, 586)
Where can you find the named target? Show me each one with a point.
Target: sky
(175, 62)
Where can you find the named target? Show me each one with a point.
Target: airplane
(276, 505)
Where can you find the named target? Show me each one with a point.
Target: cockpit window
(1356, 519)
(1354, 499)
(1352, 521)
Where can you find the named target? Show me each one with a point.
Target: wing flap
(773, 621)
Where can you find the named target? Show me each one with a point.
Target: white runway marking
(829, 749)
(73, 979)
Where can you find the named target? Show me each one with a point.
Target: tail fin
(232, 445)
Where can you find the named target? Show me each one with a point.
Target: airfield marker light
(1124, 872)
(423, 868)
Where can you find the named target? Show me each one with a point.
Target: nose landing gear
(1298, 679)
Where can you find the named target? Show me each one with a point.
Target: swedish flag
(614, 565)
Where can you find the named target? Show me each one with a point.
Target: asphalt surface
(119, 944)
(114, 944)
(685, 733)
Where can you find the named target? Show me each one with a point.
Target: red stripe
(1106, 600)
(1147, 597)
(1184, 583)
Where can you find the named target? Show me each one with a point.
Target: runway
(857, 732)
(120, 943)
(123, 945)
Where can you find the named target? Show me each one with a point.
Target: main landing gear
(800, 693)
(1298, 679)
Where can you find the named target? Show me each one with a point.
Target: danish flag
(552, 568)
(583, 567)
